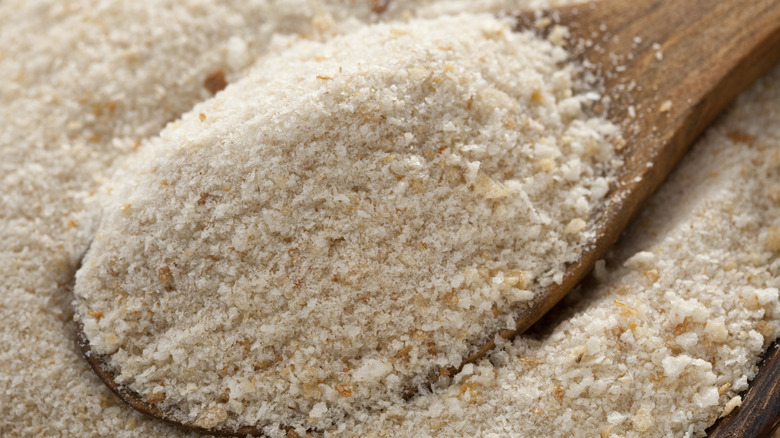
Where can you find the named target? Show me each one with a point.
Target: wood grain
(759, 414)
(710, 51)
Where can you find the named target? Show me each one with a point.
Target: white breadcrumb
(669, 338)
(347, 218)
(62, 63)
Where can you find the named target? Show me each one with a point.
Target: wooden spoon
(668, 67)
(99, 364)
(759, 414)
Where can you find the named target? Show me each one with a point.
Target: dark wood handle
(710, 51)
(759, 415)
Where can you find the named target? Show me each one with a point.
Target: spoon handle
(759, 414)
(670, 67)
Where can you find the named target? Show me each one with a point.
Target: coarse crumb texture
(81, 84)
(59, 58)
(666, 341)
(320, 235)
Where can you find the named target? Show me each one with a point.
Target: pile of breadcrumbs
(661, 347)
(318, 237)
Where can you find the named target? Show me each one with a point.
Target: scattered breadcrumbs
(662, 346)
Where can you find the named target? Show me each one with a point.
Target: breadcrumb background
(659, 348)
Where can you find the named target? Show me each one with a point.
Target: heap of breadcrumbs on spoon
(348, 218)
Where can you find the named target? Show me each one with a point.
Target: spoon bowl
(99, 365)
